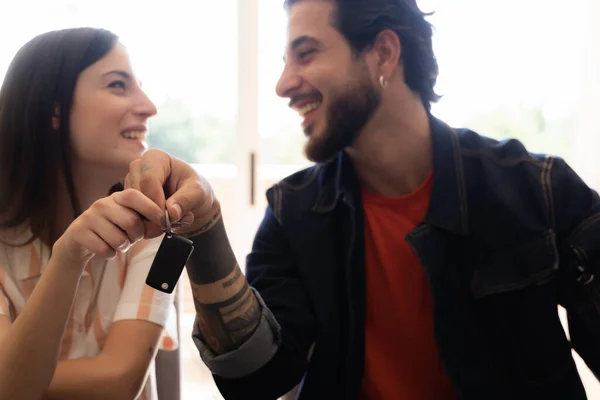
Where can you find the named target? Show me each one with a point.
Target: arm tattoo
(207, 225)
(226, 325)
(233, 280)
(227, 310)
(212, 258)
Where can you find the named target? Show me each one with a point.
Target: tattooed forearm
(233, 280)
(227, 309)
(212, 258)
(227, 324)
(208, 225)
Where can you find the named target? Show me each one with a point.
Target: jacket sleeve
(576, 209)
(274, 359)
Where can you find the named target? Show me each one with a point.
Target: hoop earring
(382, 82)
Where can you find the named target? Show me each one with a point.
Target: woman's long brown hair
(39, 83)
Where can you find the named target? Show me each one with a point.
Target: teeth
(134, 135)
(308, 108)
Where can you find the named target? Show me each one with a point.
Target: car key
(168, 264)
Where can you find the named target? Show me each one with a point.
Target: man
(414, 261)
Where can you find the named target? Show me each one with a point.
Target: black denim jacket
(504, 242)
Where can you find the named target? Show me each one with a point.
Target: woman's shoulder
(16, 232)
(15, 239)
(22, 259)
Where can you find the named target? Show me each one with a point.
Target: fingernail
(188, 218)
(177, 208)
(179, 224)
(124, 246)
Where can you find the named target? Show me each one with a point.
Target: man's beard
(348, 113)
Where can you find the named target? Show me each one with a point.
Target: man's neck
(393, 155)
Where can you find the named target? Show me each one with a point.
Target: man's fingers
(132, 179)
(194, 196)
(154, 172)
(188, 192)
(191, 200)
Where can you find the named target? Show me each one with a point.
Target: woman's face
(109, 113)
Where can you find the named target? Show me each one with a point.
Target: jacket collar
(448, 203)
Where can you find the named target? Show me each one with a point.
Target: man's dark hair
(360, 21)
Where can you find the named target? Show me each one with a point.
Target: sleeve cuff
(157, 314)
(169, 340)
(251, 355)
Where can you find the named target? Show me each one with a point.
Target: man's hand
(227, 310)
(171, 183)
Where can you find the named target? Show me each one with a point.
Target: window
(507, 70)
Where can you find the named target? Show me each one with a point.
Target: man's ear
(389, 52)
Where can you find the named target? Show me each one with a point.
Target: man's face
(326, 83)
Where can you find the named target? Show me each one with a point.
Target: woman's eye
(117, 85)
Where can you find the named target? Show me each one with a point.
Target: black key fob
(170, 259)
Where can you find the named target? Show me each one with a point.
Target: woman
(72, 265)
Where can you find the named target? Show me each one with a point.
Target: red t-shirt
(401, 357)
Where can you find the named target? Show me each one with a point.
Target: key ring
(169, 229)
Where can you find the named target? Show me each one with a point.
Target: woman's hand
(112, 224)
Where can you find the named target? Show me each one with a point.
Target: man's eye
(305, 53)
